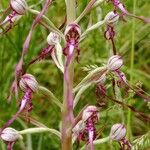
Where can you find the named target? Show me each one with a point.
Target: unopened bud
(114, 62)
(10, 135)
(90, 112)
(73, 31)
(118, 132)
(28, 81)
(53, 38)
(111, 18)
(19, 6)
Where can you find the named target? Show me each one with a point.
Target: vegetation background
(132, 35)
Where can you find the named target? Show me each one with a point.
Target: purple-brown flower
(90, 116)
(18, 8)
(72, 35)
(120, 6)
(28, 85)
(10, 136)
(114, 62)
(118, 133)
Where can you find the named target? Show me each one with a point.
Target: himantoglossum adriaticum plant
(62, 45)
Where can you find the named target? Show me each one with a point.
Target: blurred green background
(94, 51)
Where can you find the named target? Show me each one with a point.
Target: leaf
(92, 77)
(142, 142)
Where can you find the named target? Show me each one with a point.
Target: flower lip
(114, 62)
(118, 132)
(19, 6)
(28, 81)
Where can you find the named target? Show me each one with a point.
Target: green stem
(49, 94)
(40, 130)
(29, 137)
(93, 27)
(129, 133)
(71, 10)
(3, 147)
(78, 95)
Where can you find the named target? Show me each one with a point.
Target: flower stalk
(67, 110)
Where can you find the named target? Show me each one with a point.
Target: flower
(90, 112)
(10, 135)
(114, 62)
(90, 116)
(109, 33)
(28, 81)
(72, 31)
(122, 8)
(28, 84)
(111, 18)
(19, 6)
(72, 35)
(53, 38)
(53, 49)
(118, 132)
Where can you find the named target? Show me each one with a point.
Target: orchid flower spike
(19, 8)
(28, 85)
(10, 136)
(118, 133)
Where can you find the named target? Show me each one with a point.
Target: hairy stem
(67, 110)
(71, 10)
